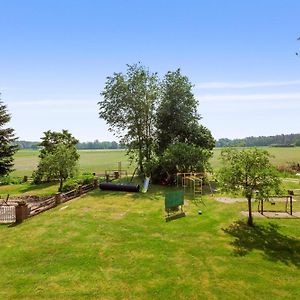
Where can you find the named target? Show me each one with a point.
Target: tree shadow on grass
(266, 238)
(37, 187)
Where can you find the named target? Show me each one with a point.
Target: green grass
(110, 245)
(280, 156)
(44, 189)
(90, 161)
(100, 160)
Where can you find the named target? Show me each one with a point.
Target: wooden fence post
(21, 212)
(57, 198)
(95, 183)
(80, 190)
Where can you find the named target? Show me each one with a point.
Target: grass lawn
(100, 160)
(44, 189)
(114, 245)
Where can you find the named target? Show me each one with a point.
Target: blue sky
(240, 55)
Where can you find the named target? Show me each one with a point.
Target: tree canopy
(59, 164)
(149, 115)
(7, 139)
(128, 107)
(250, 172)
(52, 138)
(58, 157)
(177, 116)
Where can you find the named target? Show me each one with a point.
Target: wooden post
(21, 212)
(291, 204)
(57, 198)
(95, 182)
(119, 168)
(80, 190)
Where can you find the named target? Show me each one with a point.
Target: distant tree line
(85, 145)
(282, 140)
(100, 145)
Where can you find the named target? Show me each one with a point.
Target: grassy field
(280, 156)
(109, 245)
(100, 160)
(90, 161)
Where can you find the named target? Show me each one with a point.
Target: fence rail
(8, 212)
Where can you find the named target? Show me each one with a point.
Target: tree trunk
(250, 219)
(60, 184)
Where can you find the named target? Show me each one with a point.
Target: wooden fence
(8, 212)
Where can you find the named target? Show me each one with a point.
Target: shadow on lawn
(37, 187)
(274, 245)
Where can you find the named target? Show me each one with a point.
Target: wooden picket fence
(7, 214)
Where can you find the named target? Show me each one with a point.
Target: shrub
(5, 180)
(69, 185)
(74, 183)
(85, 179)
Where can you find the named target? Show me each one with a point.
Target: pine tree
(7, 139)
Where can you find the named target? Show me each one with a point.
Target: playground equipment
(193, 182)
(174, 202)
(112, 174)
(125, 187)
(288, 202)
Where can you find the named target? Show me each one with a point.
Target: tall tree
(7, 139)
(250, 172)
(128, 107)
(177, 117)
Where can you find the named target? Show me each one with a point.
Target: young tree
(250, 172)
(177, 117)
(128, 107)
(7, 139)
(53, 138)
(58, 157)
(59, 164)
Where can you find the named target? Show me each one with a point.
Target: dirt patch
(230, 200)
(273, 214)
(118, 216)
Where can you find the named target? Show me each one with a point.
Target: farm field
(100, 160)
(110, 245)
(280, 156)
(90, 161)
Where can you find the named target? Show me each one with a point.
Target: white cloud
(244, 84)
(248, 97)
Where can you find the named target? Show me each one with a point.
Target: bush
(291, 168)
(74, 183)
(5, 180)
(37, 177)
(85, 179)
(69, 185)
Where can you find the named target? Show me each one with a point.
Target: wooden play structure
(192, 182)
(116, 173)
(174, 202)
(288, 202)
